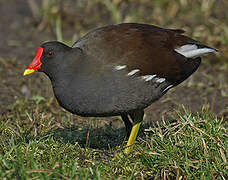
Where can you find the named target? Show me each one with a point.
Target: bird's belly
(111, 99)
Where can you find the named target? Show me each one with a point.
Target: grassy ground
(39, 140)
(34, 145)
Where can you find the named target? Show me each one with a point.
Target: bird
(118, 70)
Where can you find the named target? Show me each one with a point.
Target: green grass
(34, 146)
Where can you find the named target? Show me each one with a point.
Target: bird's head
(48, 56)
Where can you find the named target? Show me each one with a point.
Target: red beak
(36, 63)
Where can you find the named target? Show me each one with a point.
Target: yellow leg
(132, 138)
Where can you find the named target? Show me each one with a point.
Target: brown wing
(140, 46)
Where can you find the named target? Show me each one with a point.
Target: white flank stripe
(160, 80)
(148, 77)
(120, 67)
(167, 88)
(191, 50)
(133, 72)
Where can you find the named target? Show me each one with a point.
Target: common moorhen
(118, 70)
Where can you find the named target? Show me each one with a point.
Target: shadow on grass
(102, 138)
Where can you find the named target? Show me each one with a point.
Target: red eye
(50, 53)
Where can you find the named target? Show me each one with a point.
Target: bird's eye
(50, 53)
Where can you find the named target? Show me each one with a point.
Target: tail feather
(194, 50)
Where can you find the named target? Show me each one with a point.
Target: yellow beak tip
(28, 71)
